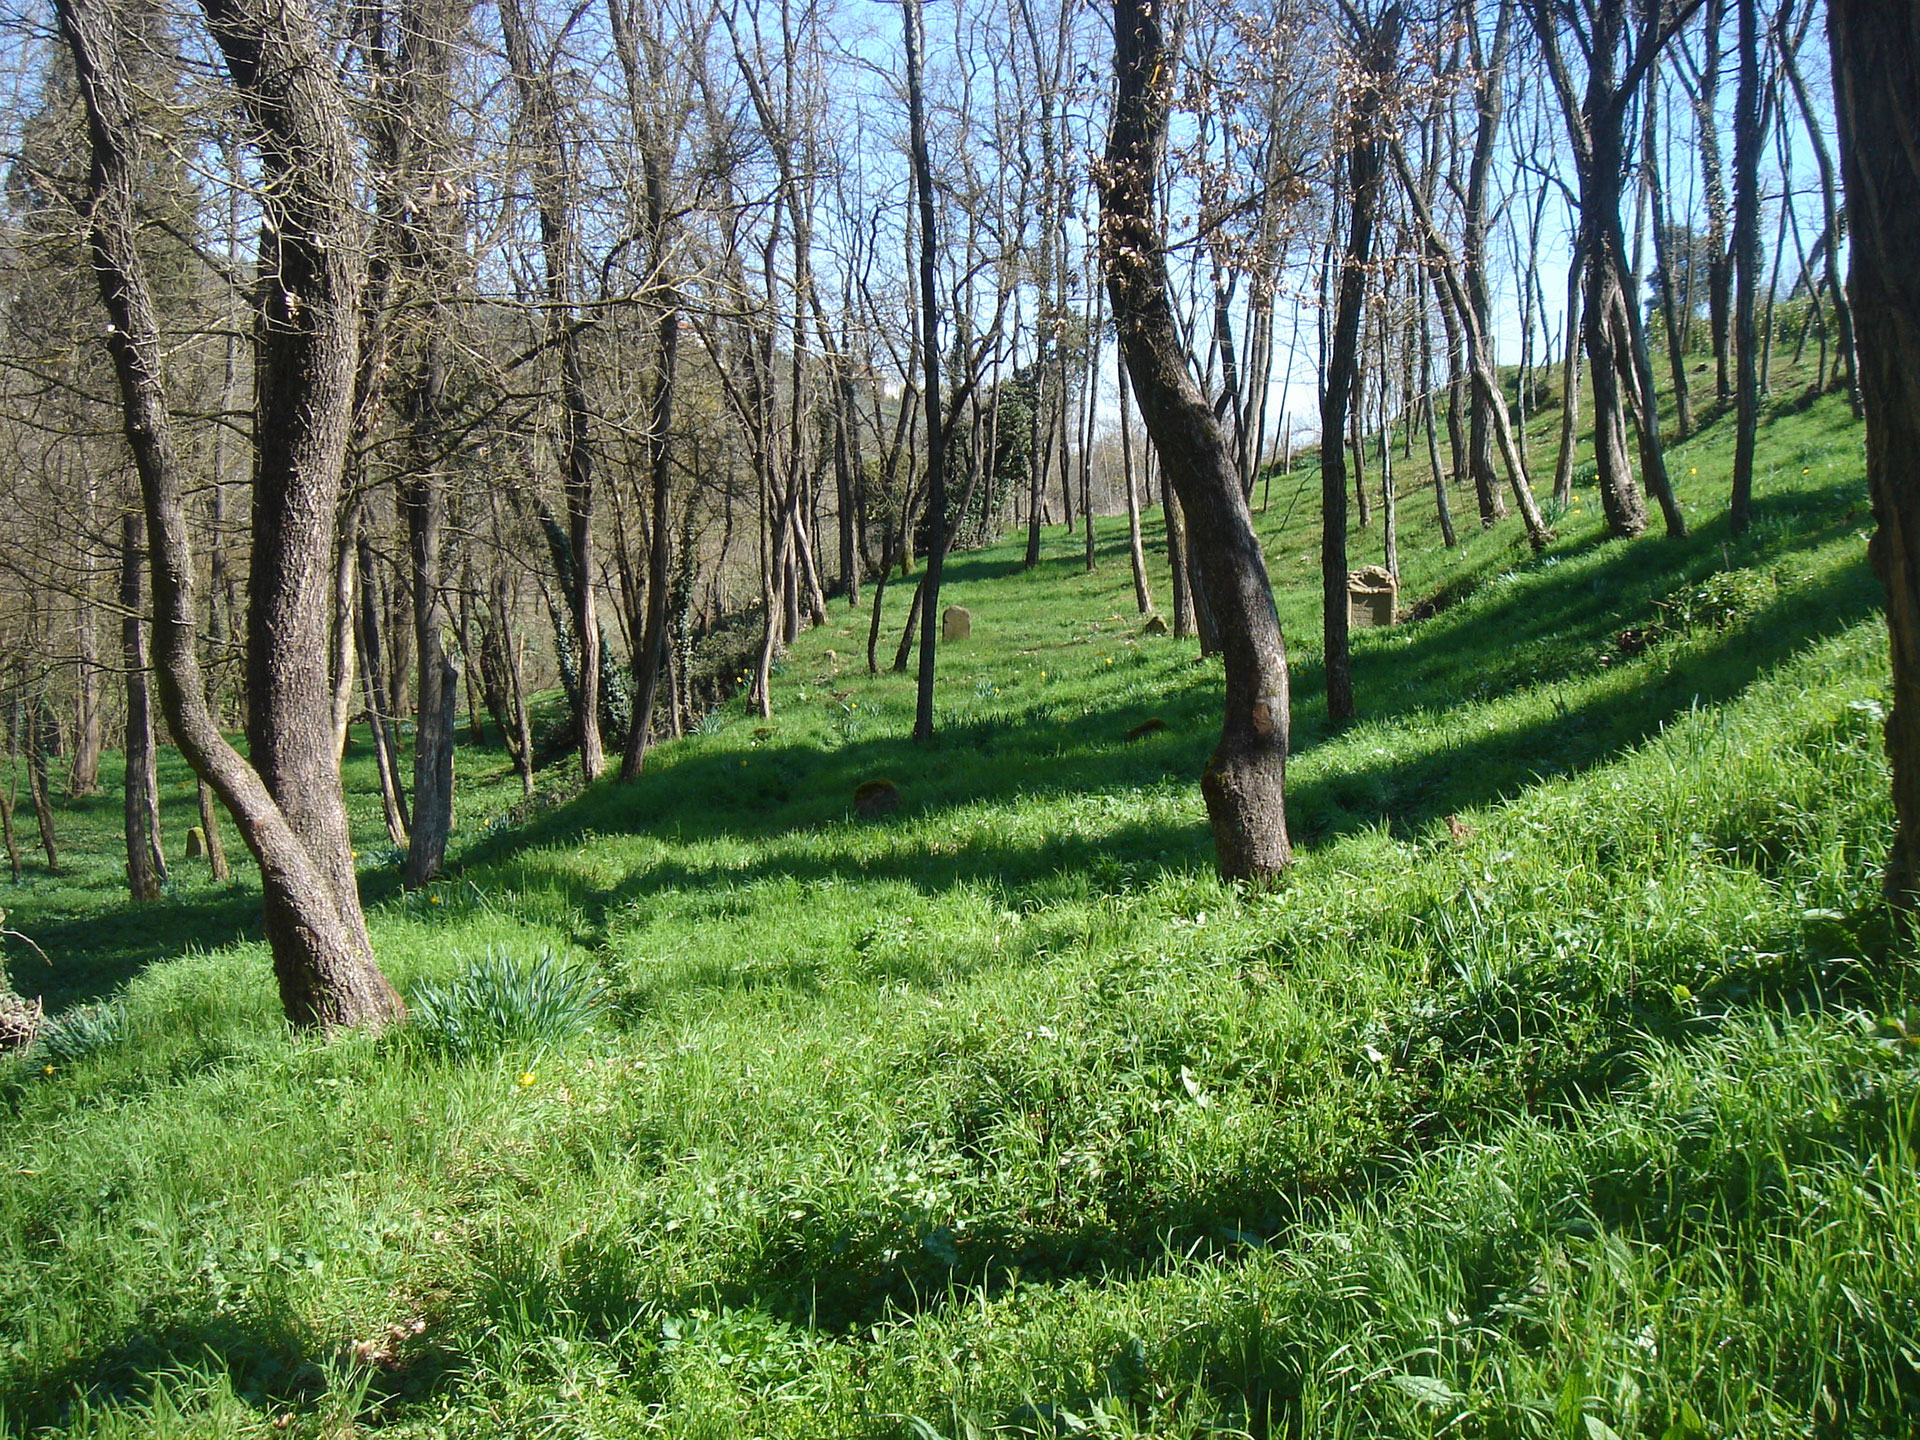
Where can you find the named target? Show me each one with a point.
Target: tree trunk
(1706, 111)
(1570, 379)
(1341, 379)
(386, 753)
(1142, 592)
(1830, 211)
(1876, 59)
(1670, 311)
(344, 650)
(210, 827)
(558, 245)
(1244, 782)
(929, 593)
(12, 840)
(287, 797)
(146, 851)
(1489, 102)
(1184, 625)
(38, 723)
(89, 737)
(1748, 141)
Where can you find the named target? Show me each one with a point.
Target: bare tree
(286, 796)
(1244, 782)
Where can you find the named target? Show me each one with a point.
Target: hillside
(1566, 1087)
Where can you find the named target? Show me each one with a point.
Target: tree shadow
(260, 1347)
(90, 953)
(792, 789)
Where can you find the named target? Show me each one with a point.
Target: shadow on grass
(261, 1349)
(782, 789)
(95, 951)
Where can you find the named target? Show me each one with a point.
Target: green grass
(1567, 1087)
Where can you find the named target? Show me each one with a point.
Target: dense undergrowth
(1568, 1086)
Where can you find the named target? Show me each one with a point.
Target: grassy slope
(1590, 1109)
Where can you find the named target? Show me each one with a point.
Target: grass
(1567, 1087)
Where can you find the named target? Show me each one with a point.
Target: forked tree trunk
(1876, 59)
(287, 798)
(1244, 782)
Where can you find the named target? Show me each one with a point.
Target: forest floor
(1566, 1087)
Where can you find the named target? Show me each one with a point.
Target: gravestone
(956, 624)
(1373, 595)
(196, 843)
(1156, 625)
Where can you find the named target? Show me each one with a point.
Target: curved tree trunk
(1244, 782)
(287, 800)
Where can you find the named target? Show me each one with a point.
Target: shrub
(500, 1000)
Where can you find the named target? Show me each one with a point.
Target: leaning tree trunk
(286, 798)
(1244, 782)
(1876, 81)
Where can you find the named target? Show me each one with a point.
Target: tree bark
(1244, 782)
(146, 851)
(558, 243)
(39, 721)
(1876, 70)
(1748, 141)
(928, 597)
(386, 753)
(287, 799)
(1142, 592)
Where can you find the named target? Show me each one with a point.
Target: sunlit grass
(1567, 1087)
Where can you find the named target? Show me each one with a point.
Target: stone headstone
(873, 799)
(1156, 625)
(956, 623)
(1373, 595)
(196, 843)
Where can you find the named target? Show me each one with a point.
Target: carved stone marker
(1156, 625)
(1372, 596)
(956, 623)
